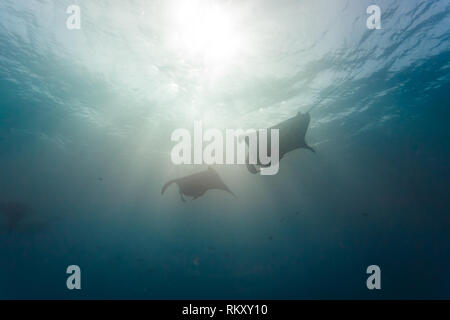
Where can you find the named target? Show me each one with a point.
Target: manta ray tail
(166, 185)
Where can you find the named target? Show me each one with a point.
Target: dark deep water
(85, 123)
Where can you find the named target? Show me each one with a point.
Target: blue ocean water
(85, 122)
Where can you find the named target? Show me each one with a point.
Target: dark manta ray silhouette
(292, 134)
(14, 212)
(197, 184)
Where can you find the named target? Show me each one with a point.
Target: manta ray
(195, 185)
(14, 212)
(292, 134)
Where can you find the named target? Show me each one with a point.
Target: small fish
(196, 261)
(14, 212)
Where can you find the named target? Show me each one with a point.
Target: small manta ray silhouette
(292, 134)
(197, 184)
(14, 212)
